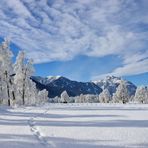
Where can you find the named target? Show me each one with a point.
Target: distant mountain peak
(109, 79)
(111, 83)
(52, 78)
(56, 77)
(112, 77)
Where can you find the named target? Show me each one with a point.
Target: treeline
(16, 87)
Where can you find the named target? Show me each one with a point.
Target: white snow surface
(53, 78)
(75, 126)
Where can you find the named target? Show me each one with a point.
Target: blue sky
(81, 39)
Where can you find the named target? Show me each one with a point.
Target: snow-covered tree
(42, 96)
(115, 98)
(1, 87)
(25, 88)
(71, 99)
(90, 98)
(54, 100)
(87, 98)
(131, 99)
(82, 98)
(15, 83)
(6, 73)
(19, 78)
(64, 97)
(77, 99)
(1, 84)
(141, 95)
(104, 96)
(31, 93)
(121, 95)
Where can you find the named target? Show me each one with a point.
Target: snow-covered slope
(75, 126)
(112, 82)
(46, 80)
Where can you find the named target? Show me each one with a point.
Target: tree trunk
(23, 95)
(8, 89)
(13, 93)
(9, 102)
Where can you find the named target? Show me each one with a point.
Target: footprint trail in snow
(37, 133)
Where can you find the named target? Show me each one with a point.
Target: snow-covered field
(75, 126)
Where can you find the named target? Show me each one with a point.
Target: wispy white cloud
(62, 29)
(133, 68)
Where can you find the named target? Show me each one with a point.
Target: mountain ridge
(55, 85)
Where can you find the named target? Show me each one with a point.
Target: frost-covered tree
(115, 98)
(6, 73)
(82, 98)
(31, 93)
(25, 88)
(141, 95)
(19, 78)
(104, 96)
(87, 98)
(131, 99)
(77, 99)
(71, 99)
(54, 100)
(64, 97)
(90, 98)
(121, 95)
(1, 85)
(15, 83)
(42, 96)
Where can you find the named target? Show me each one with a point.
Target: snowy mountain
(57, 84)
(112, 82)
